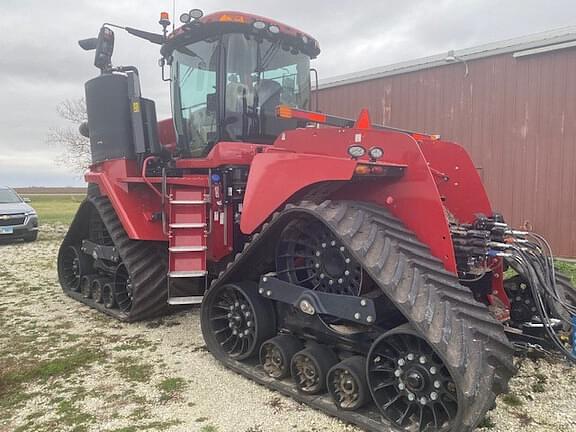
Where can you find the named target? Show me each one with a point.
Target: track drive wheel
(310, 255)
(276, 354)
(72, 265)
(236, 320)
(347, 383)
(309, 368)
(409, 383)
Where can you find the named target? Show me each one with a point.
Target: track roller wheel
(236, 320)
(276, 354)
(347, 383)
(310, 366)
(97, 289)
(123, 289)
(108, 298)
(409, 383)
(72, 265)
(86, 285)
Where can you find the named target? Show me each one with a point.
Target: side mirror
(88, 44)
(104, 49)
(26, 200)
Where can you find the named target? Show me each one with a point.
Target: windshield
(260, 75)
(8, 196)
(229, 88)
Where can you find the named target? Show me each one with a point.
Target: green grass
(512, 400)
(13, 378)
(569, 269)
(55, 209)
(171, 388)
(131, 370)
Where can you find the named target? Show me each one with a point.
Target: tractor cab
(229, 72)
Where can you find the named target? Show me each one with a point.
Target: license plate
(6, 230)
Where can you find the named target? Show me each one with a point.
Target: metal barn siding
(516, 117)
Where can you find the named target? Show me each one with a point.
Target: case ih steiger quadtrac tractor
(354, 267)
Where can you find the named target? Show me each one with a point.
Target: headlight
(196, 14)
(259, 25)
(356, 151)
(31, 213)
(274, 29)
(375, 153)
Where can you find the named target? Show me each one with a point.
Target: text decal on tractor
(356, 263)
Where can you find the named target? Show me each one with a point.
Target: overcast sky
(42, 65)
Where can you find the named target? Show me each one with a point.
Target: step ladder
(187, 247)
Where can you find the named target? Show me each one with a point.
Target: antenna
(173, 15)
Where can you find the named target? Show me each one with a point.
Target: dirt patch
(65, 367)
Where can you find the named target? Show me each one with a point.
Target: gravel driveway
(64, 367)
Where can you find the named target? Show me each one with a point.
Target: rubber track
(568, 293)
(144, 260)
(463, 333)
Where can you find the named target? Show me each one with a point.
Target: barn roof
(522, 46)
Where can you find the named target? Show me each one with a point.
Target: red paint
(224, 153)
(246, 18)
(167, 134)
(321, 155)
(276, 176)
(134, 203)
(363, 121)
(463, 192)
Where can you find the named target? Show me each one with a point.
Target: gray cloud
(41, 63)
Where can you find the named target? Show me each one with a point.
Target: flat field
(55, 209)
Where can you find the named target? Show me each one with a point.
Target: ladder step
(187, 225)
(191, 202)
(187, 248)
(187, 274)
(185, 300)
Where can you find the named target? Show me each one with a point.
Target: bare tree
(75, 147)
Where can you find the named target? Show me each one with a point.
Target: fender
(463, 194)
(276, 175)
(134, 203)
(462, 190)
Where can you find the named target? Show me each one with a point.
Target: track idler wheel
(409, 383)
(86, 285)
(123, 289)
(276, 354)
(108, 297)
(347, 383)
(309, 368)
(72, 265)
(236, 320)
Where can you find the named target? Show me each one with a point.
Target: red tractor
(354, 267)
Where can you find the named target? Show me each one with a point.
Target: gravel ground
(65, 367)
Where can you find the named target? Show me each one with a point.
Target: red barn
(512, 104)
